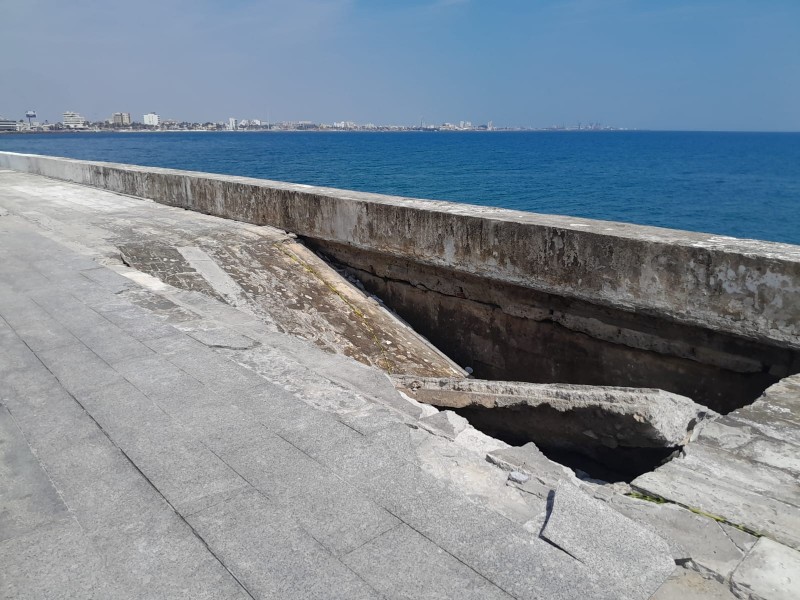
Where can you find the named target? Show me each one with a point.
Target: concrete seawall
(522, 296)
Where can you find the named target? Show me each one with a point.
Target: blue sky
(671, 64)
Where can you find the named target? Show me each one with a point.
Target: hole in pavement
(564, 437)
(506, 332)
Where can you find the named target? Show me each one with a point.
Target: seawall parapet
(525, 296)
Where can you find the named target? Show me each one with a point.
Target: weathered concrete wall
(688, 301)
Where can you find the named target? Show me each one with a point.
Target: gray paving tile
(36, 327)
(336, 514)
(15, 355)
(403, 564)
(341, 448)
(113, 345)
(44, 410)
(108, 279)
(54, 562)
(71, 313)
(271, 554)
(633, 555)
(27, 496)
(160, 557)
(26, 281)
(495, 547)
(80, 369)
(145, 544)
(209, 367)
(182, 469)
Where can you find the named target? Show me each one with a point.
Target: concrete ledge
(743, 287)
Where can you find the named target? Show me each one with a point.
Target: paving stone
(743, 540)
(134, 321)
(333, 512)
(344, 450)
(770, 571)
(271, 555)
(27, 496)
(108, 279)
(80, 369)
(403, 564)
(490, 544)
(73, 314)
(183, 470)
(146, 546)
(37, 328)
(15, 355)
(690, 585)
(209, 367)
(446, 423)
(54, 562)
(113, 346)
(161, 557)
(617, 546)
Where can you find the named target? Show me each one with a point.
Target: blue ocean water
(738, 184)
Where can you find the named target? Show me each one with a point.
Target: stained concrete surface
(191, 439)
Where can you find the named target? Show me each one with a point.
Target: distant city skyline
(692, 65)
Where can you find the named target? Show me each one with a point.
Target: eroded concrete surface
(166, 436)
(260, 270)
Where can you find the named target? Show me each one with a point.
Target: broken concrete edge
(743, 287)
(346, 291)
(659, 418)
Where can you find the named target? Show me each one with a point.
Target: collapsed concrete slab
(598, 422)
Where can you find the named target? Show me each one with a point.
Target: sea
(744, 185)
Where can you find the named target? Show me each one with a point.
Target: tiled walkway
(140, 462)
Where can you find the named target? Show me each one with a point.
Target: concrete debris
(518, 477)
(446, 423)
(529, 460)
(607, 542)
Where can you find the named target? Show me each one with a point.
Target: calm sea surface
(737, 184)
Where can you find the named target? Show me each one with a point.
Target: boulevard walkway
(140, 461)
(197, 408)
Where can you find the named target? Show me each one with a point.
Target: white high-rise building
(121, 118)
(151, 119)
(73, 120)
(232, 124)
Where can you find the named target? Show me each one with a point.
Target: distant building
(73, 120)
(8, 125)
(232, 124)
(121, 118)
(151, 119)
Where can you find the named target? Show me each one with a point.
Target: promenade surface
(158, 442)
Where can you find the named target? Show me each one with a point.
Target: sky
(646, 64)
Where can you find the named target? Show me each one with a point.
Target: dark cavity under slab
(544, 426)
(512, 333)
